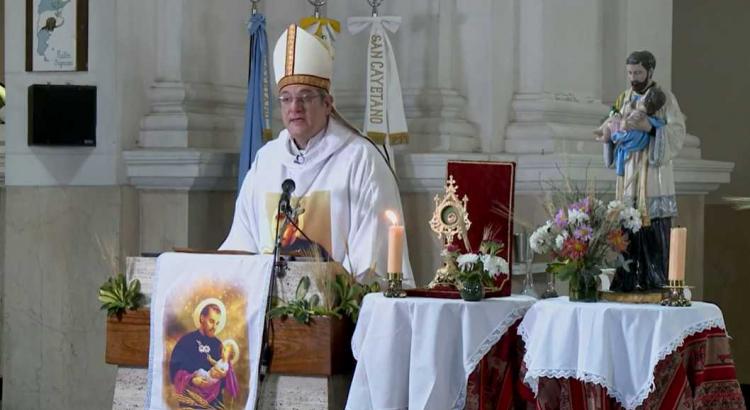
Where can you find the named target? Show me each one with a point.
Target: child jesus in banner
(193, 366)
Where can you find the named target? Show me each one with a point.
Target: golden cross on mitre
(450, 218)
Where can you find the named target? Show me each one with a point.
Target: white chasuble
(343, 188)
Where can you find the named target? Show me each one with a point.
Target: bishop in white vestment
(344, 184)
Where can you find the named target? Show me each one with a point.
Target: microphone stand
(277, 271)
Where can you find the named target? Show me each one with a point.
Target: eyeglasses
(305, 99)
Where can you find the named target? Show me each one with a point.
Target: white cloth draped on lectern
(385, 122)
(207, 316)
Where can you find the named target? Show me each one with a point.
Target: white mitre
(301, 58)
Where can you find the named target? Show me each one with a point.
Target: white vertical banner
(207, 316)
(385, 122)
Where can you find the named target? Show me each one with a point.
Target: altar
(419, 352)
(616, 355)
(424, 353)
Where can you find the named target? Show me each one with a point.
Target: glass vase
(584, 286)
(551, 291)
(472, 290)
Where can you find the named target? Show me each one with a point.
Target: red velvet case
(487, 184)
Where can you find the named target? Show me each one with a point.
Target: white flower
(559, 240)
(631, 219)
(615, 206)
(576, 216)
(504, 268)
(467, 261)
(495, 264)
(541, 240)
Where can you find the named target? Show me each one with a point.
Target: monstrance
(450, 219)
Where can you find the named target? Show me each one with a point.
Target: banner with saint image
(206, 330)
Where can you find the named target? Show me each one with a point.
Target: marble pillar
(184, 165)
(63, 243)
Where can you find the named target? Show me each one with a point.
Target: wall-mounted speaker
(62, 115)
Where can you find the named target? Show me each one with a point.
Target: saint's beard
(639, 86)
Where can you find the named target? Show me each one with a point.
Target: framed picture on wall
(57, 35)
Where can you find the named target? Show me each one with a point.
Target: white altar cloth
(614, 345)
(417, 353)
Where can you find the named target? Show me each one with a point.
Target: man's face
(209, 323)
(304, 111)
(638, 77)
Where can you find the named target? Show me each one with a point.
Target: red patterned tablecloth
(700, 374)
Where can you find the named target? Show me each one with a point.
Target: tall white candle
(677, 247)
(395, 243)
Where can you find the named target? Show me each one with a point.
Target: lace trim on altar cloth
(485, 347)
(658, 206)
(532, 377)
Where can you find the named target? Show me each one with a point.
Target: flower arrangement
(482, 269)
(584, 235)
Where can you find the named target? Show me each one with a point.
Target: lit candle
(395, 243)
(677, 245)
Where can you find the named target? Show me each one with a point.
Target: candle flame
(392, 216)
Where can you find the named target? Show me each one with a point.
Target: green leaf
(314, 300)
(118, 296)
(278, 312)
(302, 288)
(302, 317)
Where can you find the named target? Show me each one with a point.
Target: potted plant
(311, 334)
(127, 324)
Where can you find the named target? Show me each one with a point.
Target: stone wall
(712, 86)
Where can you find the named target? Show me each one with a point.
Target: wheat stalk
(193, 400)
(739, 203)
(108, 255)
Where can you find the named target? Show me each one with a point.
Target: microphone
(287, 187)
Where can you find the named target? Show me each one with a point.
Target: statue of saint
(645, 130)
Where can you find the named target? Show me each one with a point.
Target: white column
(184, 165)
(558, 102)
(196, 100)
(632, 25)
